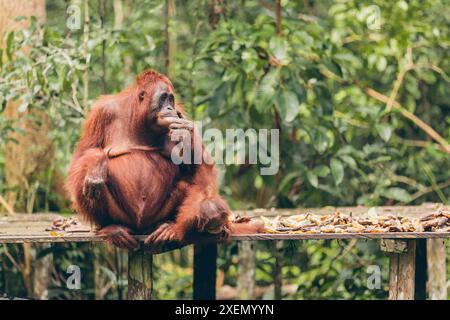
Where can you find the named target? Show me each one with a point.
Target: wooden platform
(416, 258)
(22, 228)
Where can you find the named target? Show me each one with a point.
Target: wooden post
(246, 270)
(420, 287)
(437, 269)
(140, 275)
(41, 270)
(402, 255)
(278, 274)
(205, 264)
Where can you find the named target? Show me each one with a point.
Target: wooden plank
(140, 275)
(402, 273)
(205, 268)
(437, 269)
(21, 228)
(246, 270)
(89, 237)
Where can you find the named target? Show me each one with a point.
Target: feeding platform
(417, 259)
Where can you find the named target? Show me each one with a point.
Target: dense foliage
(361, 104)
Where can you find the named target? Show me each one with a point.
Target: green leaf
(297, 88)
(324, 97)
(258, 182)
(349, 160)
(320, 139)
(266, 92)
(9, 44)
(62, 78)
(385, 131)
(337, 170)
(286, 181)
(312, 178)
(322, 171)
(217, 103)
(333, 67)
(398, 194)
(279, 47)
(288, 105)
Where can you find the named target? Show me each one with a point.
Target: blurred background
(358, 89)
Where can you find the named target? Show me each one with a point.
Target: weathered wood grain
(246, 282)
(140, 275)
(90, 237)
(402, 273)
(437, 280)
(393, 246)
(21, 228)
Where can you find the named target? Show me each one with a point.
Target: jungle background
(361, 100)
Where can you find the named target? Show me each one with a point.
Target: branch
(427, 190)
(403, 179)
(11, 259)
(399, 80)
(407, 114)
(381, 97)
(421, 144)
(6, 205)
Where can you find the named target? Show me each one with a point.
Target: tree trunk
(32, 153)
(278, 16)
(171, 44)
(118, 14)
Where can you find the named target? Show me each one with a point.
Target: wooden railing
(417, 259)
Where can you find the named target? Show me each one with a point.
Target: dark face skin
(163, 118)
(166, 109)
(162, 111)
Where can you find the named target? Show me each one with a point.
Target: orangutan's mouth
(215, 230)
(168, 114)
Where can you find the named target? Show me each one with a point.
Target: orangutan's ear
(141, 95)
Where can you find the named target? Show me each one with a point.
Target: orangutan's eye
(162, 99)
(141, 95)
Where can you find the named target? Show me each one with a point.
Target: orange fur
(139, 188)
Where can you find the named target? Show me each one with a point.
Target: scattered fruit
(371, 223)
